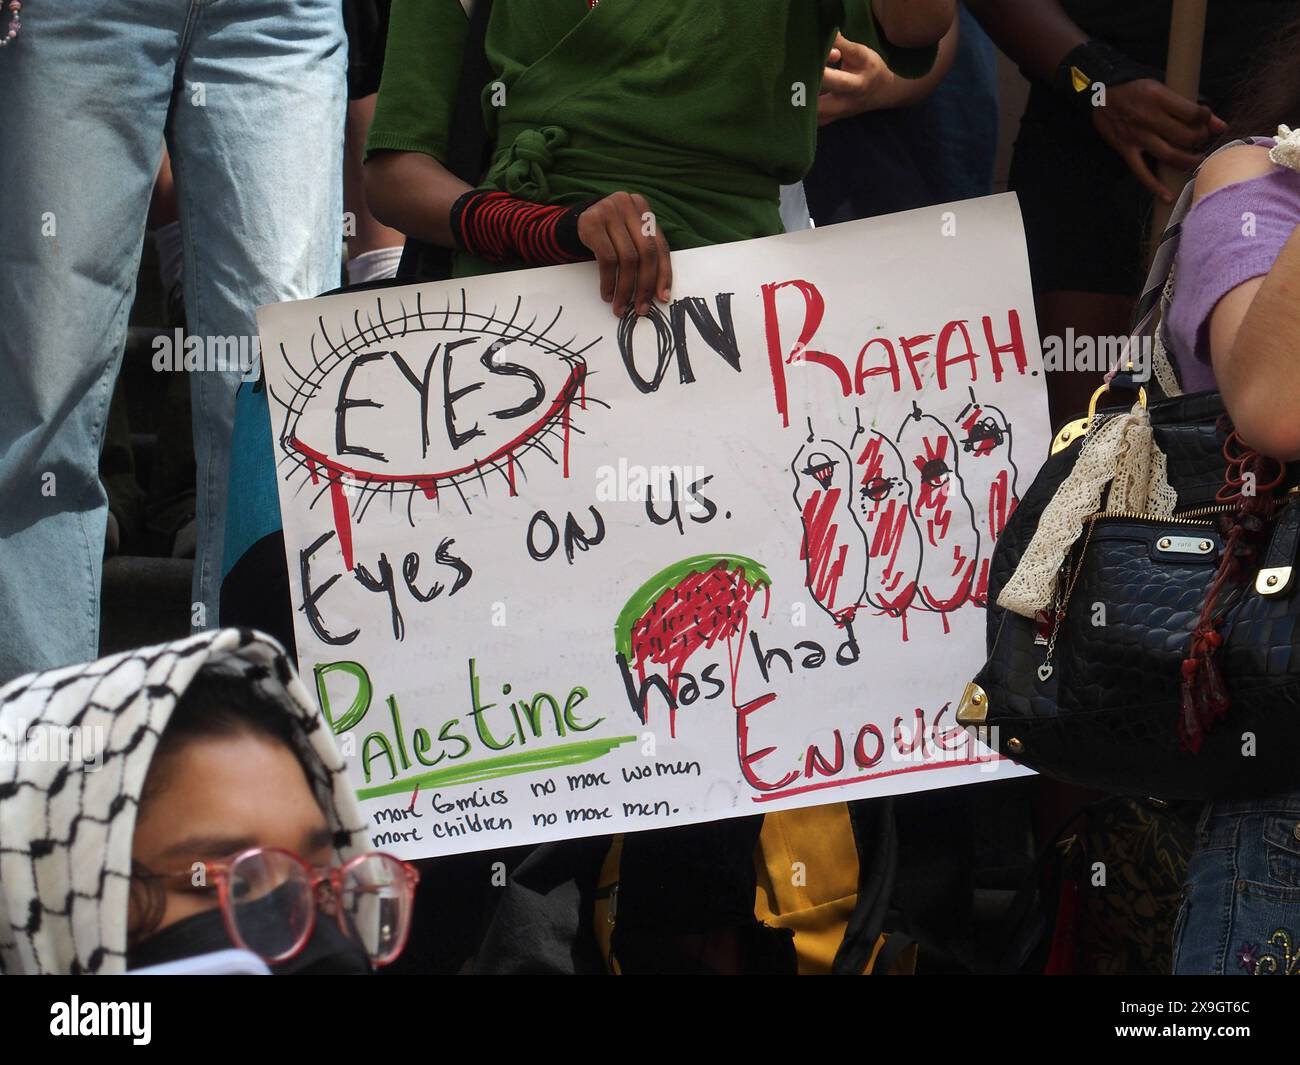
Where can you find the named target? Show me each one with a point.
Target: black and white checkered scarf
(75, 746)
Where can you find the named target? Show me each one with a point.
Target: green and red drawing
(692, 604)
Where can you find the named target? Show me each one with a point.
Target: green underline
(506, 765)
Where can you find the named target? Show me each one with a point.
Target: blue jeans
(1241, 904)
(250, 96)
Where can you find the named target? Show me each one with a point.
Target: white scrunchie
(1287, 150)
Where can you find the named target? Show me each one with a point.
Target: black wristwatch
(1096, 62)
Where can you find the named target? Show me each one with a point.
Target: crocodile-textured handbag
(1167, 661)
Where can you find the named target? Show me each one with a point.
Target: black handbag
(1092, 693)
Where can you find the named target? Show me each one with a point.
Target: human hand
(1145, 118)
(848, 89)
(625, 238)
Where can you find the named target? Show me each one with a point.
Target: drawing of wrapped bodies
(884, 499)
(950, 540)
(834, 548)
(892, 520)
(989, 474)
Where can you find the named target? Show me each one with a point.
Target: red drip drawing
(564, 417)
(342, 517)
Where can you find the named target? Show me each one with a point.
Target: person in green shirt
(619, 131)
(696, 112)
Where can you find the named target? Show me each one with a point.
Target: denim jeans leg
(257, 138)
(85, 89)
(1200, 935)
(1241, 911)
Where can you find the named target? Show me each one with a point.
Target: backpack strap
(876, 834)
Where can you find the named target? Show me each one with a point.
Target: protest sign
(557, 574)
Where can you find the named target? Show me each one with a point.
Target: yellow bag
(807, 873)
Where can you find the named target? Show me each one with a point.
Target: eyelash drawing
(353, 483)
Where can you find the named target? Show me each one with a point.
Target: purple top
(1215, 256)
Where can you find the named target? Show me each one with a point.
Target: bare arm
(1036, 34)
(1255, 330)
(1138, 119)
(914, 23)
(863, 82)
(904, 92)
(413, 193)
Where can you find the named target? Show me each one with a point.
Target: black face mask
(328, 951)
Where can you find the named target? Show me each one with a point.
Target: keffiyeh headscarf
(75, 747)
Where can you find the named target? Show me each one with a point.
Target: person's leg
(1241, 902)
(257, 148)
(85, 90)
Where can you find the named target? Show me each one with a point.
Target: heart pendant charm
(1044, 671)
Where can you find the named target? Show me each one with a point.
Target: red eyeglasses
(269, 899)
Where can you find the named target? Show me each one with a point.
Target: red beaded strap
(1204, 694)
(15, 9)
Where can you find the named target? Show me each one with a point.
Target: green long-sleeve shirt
(706, 107)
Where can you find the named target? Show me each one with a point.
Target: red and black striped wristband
(503, 228)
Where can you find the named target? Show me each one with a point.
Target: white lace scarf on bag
(1120, 452)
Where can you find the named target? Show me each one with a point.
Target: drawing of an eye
(877, 488)
(821, 468)
(465, 398)
(933, 472)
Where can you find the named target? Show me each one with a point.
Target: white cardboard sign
(556, 574)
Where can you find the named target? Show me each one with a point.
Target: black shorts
(1085, 212)
(366, 23)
